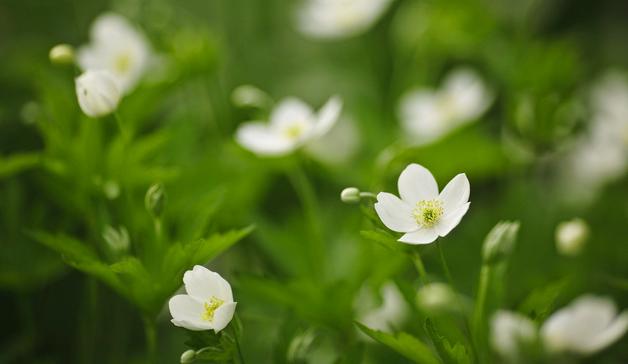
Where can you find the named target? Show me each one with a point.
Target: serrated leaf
(404, 344)
(450, 354)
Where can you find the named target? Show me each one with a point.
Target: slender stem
(368, 195)
(443, 262)
(239, 350)
(418, 264)
(479, 314)
(123, 131)
(150, 332)
(307, 195)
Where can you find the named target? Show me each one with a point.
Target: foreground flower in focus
(428, 114)
(208, 304)
(118, 47)
(292, 124)
(97, 92)
(586, 326)
(330, 19)
(422, 213)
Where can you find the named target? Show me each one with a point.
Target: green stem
(443, 262)
(418, 264)
(123, 132)
(368, 195)
(150, 332)
(307, 195)
(238, 349)
(479, 314)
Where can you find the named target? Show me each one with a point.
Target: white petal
(416, 183)
(288, 110)
(260, 139)
(394, 213)
(328, 115)
(97, 93)
(203, 284)
(451, 220)
(421, 236)
(455, 193)
(612, 333)
(421, 117)
(187, 312)
(223, 315)
(468, 94)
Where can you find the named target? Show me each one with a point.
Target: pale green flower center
(428, 212)
(210, 308)
(293, 131)
(122, 63)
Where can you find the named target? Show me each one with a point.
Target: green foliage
(403, 343)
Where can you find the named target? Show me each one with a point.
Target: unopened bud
(188, 356)
(117, 240)
(350, 195)
(571, 236)
(155, 200)
(61, 54)
(436, 297)
(500, 242)
(249, 96)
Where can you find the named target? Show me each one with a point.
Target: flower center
(293, 131)
(122, 63)
(428, 212)
(210, 308)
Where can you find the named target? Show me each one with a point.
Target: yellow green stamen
(210, 308)
(428, 212)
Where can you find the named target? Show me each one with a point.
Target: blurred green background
(63, 173)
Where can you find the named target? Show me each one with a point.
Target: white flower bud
(97, 93)
(249, 96)
(350, 195)
(117, 240)
(571, 236)
(436, 297)
(155, 200)
(188, 356)
(61, 54)
(500, 242)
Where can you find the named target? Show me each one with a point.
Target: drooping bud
(350, 195)
(500, 242)
(117, 240)
(249, 96)
(188, 356)
(155, 200)
(98, 93)
(571, 236)
(61, 54)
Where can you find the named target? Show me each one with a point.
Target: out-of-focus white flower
(427, 114)
(117, 239)
(587, 325)
(98, 93)
(387, 315)
(422, 213)
(208, 304)
(333, 19)
(601, 155)
(436, 297)
(511, 333)
(118, 47)
(571, 236)
(292, 124)
(338, 146)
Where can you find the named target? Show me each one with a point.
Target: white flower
(510, 333)
(208, 304)
(292, 124)
(587, 325)
(332, 19)
(428, 114)
(571, 236)
(118, 47)
(97, 92)
(338, 146)
(422, 213)
(385, 312)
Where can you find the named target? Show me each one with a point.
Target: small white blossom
(334, 19)
(385, 312)
(427, 114)
(422, 213)
(436, 298)
(586, 326)
(208, 304)
(292, 124)
(510, 334)
(118, 47)
(571, 236)
(97, 92)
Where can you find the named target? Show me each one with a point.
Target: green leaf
(450, 354)
(541, 302)
(403, 343)
(17, 163)
(211, 347)
(384, 238)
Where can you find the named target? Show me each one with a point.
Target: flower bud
(155, 200)
(61, 54)
(571, 236)
(500, 242)
(436, 297)
(188, 356)
(249, 96)
(97, 93)
(117, 240)
(350, 195)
